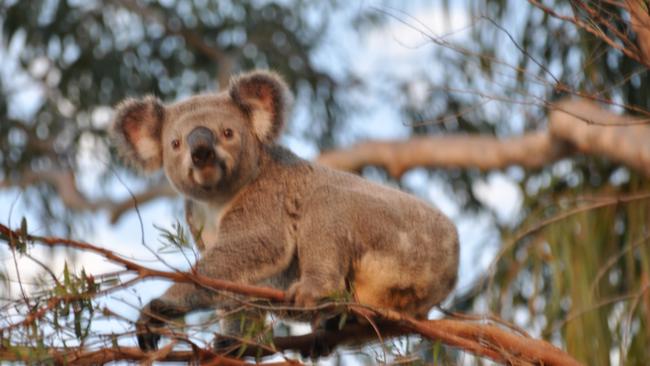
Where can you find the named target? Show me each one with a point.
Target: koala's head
(208, 145)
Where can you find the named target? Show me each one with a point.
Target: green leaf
(66, 275)
(21, 241)
(173, 240)
(342, 320)
(436, 352)
(242, 349)
(23, 226)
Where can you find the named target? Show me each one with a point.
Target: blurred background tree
(570, 239)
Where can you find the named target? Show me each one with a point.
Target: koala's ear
(136, 132)
(265, 98)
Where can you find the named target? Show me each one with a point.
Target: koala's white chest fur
(206, 217)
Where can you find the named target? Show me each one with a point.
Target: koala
(261, 215)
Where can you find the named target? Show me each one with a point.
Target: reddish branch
(484, 340)
(77, 356)
(595, 22)
(640, 13)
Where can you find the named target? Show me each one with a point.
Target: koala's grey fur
(261, 215)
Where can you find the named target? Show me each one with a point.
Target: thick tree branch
(533, 150)
(575, 125)
(593, 130)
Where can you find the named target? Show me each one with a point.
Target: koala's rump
(403, 252)
(382, 281)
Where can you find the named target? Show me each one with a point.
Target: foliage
(580, 280)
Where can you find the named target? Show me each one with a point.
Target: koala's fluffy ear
(136, 132)
(265, 98)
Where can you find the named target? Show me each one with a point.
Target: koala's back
(403, 253)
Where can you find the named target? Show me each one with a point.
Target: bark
(575, 125)
(533, 151)
(593, 130)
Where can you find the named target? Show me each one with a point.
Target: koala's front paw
(305, 293)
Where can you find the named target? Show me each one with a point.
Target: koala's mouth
(207, 178)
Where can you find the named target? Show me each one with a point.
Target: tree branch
(640, 13)
(590, 25)
(65, 184)
(533, 150)
(484, 340)
(575, 125)
(593, 130)
(80, 356)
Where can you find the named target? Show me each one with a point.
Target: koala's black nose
(201, 144)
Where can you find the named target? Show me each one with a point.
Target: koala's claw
(147, 340)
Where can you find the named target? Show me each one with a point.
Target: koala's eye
(227, 133)
(176, 143)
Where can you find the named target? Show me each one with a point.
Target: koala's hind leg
(323, 261)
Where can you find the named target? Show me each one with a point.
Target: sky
(370, 54)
